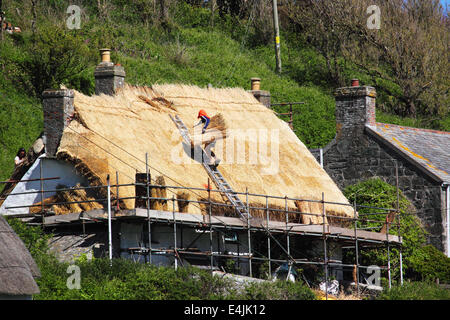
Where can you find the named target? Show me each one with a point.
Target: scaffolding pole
(388, 254)
(356, 249)
(41, 173)
(109, 220)
(174, 233)
(268, 238)
(211, 259)
(249, 236)
(149, 224)
(325, 255)
(398, 223)
(117, 191)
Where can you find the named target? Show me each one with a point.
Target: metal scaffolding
(251, 226)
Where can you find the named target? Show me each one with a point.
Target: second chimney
(260, 95)
(108, 77)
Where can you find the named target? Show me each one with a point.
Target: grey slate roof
(429, 149)
(17, 267)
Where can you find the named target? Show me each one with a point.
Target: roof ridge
(412, 128)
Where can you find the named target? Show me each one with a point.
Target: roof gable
(430, 149)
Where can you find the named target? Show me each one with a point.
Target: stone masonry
(356, 155)
(58, 110)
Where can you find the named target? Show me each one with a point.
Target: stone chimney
(108, 77)
(260, 95)
(58, 110)
(355, 107)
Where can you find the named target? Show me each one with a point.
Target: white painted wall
(51, 168)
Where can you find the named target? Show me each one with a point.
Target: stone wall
(69, 243)
(360, 157)
(58, 108)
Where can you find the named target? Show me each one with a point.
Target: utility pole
(277, 37)
(213, 5)
(2, 16)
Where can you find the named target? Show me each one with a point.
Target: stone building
(364, 148)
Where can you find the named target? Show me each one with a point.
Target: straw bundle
(312, 212)
(73, 195)
(159, 192)
(216, 130)
(182, 198)
(113, 133)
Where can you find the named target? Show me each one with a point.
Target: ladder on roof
(215, 174)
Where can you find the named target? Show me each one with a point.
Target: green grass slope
(189, 53)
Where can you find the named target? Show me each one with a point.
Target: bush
(377, 193)
(428, 263)
(278, 290)
(35, 240)
(52, 57)
(415, 291)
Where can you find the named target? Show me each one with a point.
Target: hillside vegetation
(176, 45)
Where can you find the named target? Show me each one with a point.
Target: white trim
(447, 209)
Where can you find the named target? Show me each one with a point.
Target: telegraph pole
(2, 16)
(277, 37)
(212, 3)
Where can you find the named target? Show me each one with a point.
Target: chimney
(58, 110)
(108, 77)
(260, 95)
(355, 107)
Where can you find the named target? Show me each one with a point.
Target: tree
(55, 57)
(410, 49)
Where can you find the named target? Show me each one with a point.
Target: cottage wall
(350, 161)
(51, 168)
(356, 155)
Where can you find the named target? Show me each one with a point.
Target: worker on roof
(204, 118)
(20, 157)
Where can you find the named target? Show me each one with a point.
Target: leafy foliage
(377, 193)
(415, 291)
(125, 279)
(406, 57)
(55, 56)
(429, 263)
(35, 240)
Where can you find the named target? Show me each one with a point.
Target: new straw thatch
(17, 267)
(66, 201)
(259, 151)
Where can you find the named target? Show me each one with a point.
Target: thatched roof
(113, 133)
(17, 267)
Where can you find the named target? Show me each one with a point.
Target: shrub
(377, 193)
(415, 291)
(35, 240)
(428, 263)
(52, 57)
(277, 290)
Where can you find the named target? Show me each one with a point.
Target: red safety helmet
(202, 113)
